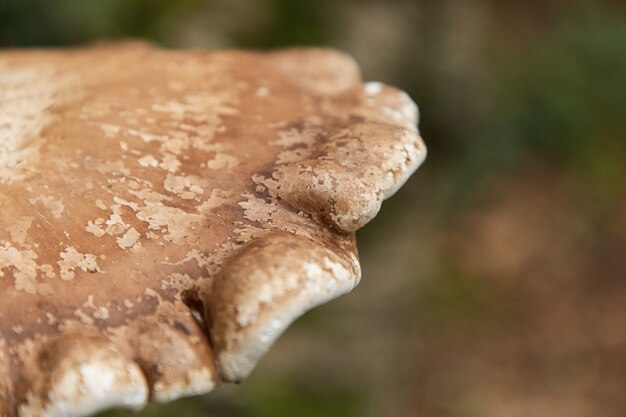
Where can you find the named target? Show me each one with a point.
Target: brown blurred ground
(494, 282)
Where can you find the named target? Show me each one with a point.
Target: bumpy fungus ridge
(165, 215)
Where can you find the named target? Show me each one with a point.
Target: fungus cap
(165, 215)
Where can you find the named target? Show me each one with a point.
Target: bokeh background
(494, 282)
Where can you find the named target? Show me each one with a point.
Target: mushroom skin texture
(165, 215)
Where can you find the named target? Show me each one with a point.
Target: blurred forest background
(494, 282)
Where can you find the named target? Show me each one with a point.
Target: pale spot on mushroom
(177, 281)
(72, 259)
(187, 187)
(149, 196)
(146, 136)
(130, 239)
(109, 130)
(170, 163)
(262, 92)
(218, 197)
(223, 161)
(203, 259)
(56, 207)
(149, 292)
(148, 161)
(256, 209)
(177, 223)
(291, 137)
(291, 155)
(94, 229)
(51, 319)
(19, 229)
(89, 302)
(101, 313)
(100, 204)
(372, 88)
(47, 270)
(25, 265)
(115, 223)
(83, 317)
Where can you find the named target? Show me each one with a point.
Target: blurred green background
(494, 282)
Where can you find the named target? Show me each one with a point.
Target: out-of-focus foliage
(494, 281)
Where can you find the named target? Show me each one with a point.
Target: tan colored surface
(165, 215)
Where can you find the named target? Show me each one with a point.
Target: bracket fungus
(165, 215)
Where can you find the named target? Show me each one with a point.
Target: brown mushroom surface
(165, 215)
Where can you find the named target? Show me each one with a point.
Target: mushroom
(165, 215)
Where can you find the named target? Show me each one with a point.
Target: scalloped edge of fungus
(193, 317)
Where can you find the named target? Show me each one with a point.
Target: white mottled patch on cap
(130, 239)
(19, 229)
(72, 259)
(223, 161)
(55, 206)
